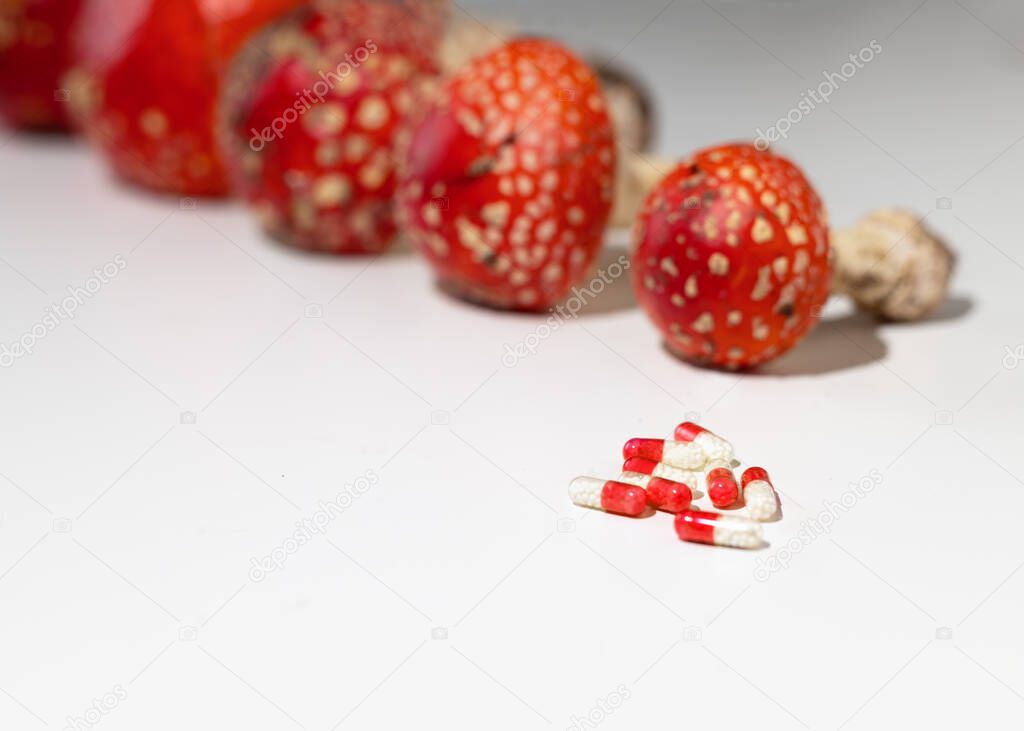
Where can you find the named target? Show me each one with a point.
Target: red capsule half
(722, 487)
(688, 431)
(672, 497)
(754, 473)
(618, 497)
(649, 449)
(641, 465)
(608, 495)
(758, 493)
(698, 526)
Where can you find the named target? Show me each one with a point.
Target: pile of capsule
(664, 474)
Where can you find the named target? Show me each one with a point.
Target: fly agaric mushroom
(731, 257)
(311, 114)
(34, 55)
(889, 263)
(146, 80)
(629, 101)
(892, 265)
(630, 105)
(508, 180)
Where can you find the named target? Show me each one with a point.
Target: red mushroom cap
(312, 146)
(507, 182)
(731, 257)
(35, 53)
(146, 80)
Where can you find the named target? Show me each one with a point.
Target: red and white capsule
(684, 455)
(608, 495)
(690, 478)
(662, 494)
(713, 445)
(698, 526)
(723, 489)
(759, 494)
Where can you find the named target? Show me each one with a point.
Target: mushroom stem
(637, 176)
(891, 265)
(465, 38)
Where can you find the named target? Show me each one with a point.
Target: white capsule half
(761, 501)
(586, 492)
(737, 532)
(717, 529)
(684, 455)
(690, 478)
(641, 480)
(634, 478)
(716, 448)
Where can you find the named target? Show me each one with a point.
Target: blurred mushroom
(466, 38)
(636, 177)
(632, 111)
(630, 105)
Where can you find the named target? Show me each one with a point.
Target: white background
(126, 536)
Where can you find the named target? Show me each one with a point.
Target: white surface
(549, 610)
